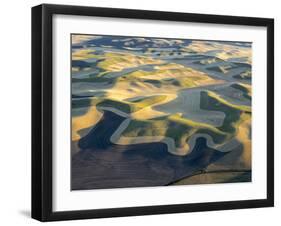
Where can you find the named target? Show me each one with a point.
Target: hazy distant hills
(132, 42)
(145, 43)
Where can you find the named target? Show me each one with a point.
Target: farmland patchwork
(157, 111)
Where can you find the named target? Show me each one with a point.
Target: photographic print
(131, 118)
(159, 111)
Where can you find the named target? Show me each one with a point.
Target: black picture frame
(42, 107)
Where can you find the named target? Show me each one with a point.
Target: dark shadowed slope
(101, 164)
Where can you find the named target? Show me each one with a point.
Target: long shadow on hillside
(101, 164)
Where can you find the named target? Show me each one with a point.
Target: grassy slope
(169, 75)
(173, 126)
(84, 54)
(246, 91)
(234, 114)
(181, 129)
(133, 106)
(118, 61)
(207, 102)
